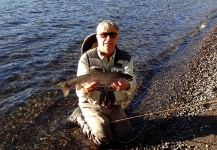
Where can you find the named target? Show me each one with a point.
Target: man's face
(107, 39)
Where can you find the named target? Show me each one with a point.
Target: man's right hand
(87, 88)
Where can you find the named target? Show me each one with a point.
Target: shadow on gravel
(174, 129)
(141, 91)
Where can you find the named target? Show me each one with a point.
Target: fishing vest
(101, 96)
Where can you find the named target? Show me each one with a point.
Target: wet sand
(39, 123)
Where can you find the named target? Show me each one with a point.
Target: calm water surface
(40, 40)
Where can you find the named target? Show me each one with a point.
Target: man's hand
(122, 84)
(90, 87)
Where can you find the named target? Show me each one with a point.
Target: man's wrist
(84, 90)
(81, 88)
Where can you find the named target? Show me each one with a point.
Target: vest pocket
(94, 97)
(120, 96)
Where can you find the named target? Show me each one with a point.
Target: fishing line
(164, 111)
(157, 112)
(124, 142)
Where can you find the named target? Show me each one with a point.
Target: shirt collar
(102, 57)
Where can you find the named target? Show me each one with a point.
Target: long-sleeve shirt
(83, 68)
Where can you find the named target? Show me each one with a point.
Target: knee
(99, 135)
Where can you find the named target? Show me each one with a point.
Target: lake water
(40, 40)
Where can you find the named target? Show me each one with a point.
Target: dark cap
(89, 42)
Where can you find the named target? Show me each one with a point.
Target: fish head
(127, 77)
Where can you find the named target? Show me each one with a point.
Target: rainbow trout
(105, 79)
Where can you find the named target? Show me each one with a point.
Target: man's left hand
(122, 84)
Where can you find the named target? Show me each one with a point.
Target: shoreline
(183, 86)
(22, 129)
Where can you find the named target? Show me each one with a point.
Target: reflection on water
(40, 41)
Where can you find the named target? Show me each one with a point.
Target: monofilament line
(164, 111)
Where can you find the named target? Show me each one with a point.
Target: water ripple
(40, 41)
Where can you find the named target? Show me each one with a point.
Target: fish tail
(65, 88)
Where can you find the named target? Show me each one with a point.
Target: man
(95, 113)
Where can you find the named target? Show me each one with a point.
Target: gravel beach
(190, 91)
(199, 86)
(38, 124)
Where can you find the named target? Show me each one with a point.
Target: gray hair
(106, 24)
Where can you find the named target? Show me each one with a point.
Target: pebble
(199, 85)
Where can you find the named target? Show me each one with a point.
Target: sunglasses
(110, 34)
